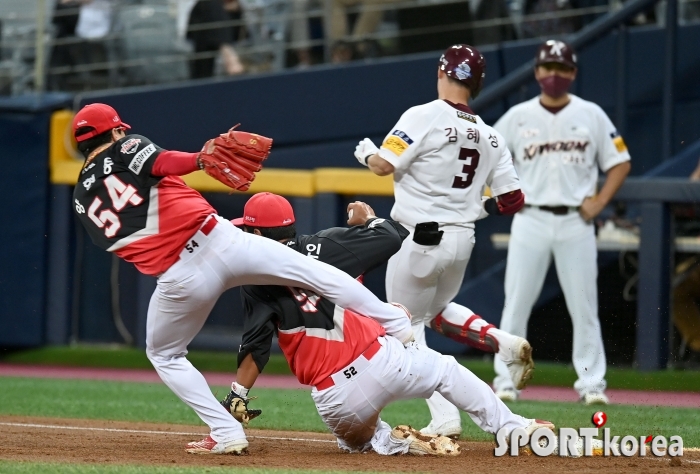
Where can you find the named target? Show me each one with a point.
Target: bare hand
(359, 212)
(590, 208)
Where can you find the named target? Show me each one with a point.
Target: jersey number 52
(469, 169)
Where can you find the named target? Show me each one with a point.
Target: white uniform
(443, 156)
(557, 157)
(224, 258)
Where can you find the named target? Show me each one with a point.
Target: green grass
(546, 373)
(59, 468)
(294, 409)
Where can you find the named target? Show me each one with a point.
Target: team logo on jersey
(529, 132)
(466, 116)
(89, 182)
(535, 149)
(618, 141)
(130, 146)
(398, 142)
(140, 158)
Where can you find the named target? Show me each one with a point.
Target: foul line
(178, 433)
(187, 433)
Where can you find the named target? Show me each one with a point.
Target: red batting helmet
(555, 51)
(465, 64)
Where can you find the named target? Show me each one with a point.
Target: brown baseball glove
(238, 407)
(234, 157)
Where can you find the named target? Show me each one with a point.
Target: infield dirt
(115, 442)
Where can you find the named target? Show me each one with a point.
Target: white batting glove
(364, 150)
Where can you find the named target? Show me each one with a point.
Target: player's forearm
(247, 372)
(615, 177)
(175, 163)
(379, 165)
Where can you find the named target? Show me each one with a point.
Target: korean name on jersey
(444, 156)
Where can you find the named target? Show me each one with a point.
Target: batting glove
(364, 150)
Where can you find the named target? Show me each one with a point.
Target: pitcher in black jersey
(131, 200)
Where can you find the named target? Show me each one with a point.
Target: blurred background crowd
(80, 45)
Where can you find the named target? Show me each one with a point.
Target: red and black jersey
(144, 219)
(317, 337)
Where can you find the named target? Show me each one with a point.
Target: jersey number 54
(121, 194)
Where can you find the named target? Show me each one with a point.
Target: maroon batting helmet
(555, 51)
(465, 64)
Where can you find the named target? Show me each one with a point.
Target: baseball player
(132, 202)
(355, 367)
(558, 143)
(442, 156)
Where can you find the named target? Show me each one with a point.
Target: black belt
(556, 210)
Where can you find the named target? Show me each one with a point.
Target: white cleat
(507, 395)
(451, 429)
(209, 446)
(595, 398)
(517, 355)
(422, 445)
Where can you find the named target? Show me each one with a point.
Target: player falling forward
(558, 142)
(442, 156)
(355, 367)
(132, 202)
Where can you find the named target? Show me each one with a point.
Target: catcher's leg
(529, 256)
(177, 311)
(351, 413)
(417, 371)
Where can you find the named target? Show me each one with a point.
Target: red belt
(208, 226)
(373, 348)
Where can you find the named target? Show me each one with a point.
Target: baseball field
(70, 423)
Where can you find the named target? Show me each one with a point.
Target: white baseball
(350, 214)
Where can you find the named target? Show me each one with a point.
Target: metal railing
(113, 68)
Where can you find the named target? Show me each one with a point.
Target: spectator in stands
(367, 22)
(549, 18)
(484, 10)
(212, 40)
(342, 52)
(90, 20)
(300, 35)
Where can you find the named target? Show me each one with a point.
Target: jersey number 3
(121, 194)
(472, 156)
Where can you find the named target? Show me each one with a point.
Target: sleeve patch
(395, 145)
(403, 136)
(140, 158)
(619, 144)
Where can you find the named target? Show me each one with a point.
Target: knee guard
(462, 334)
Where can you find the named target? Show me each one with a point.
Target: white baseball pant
(225, 258)
(425, 279)
(351, 407)
(535, 237)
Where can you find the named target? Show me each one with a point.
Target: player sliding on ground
(354, 365)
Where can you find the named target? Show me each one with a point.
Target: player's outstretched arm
(367, 154)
